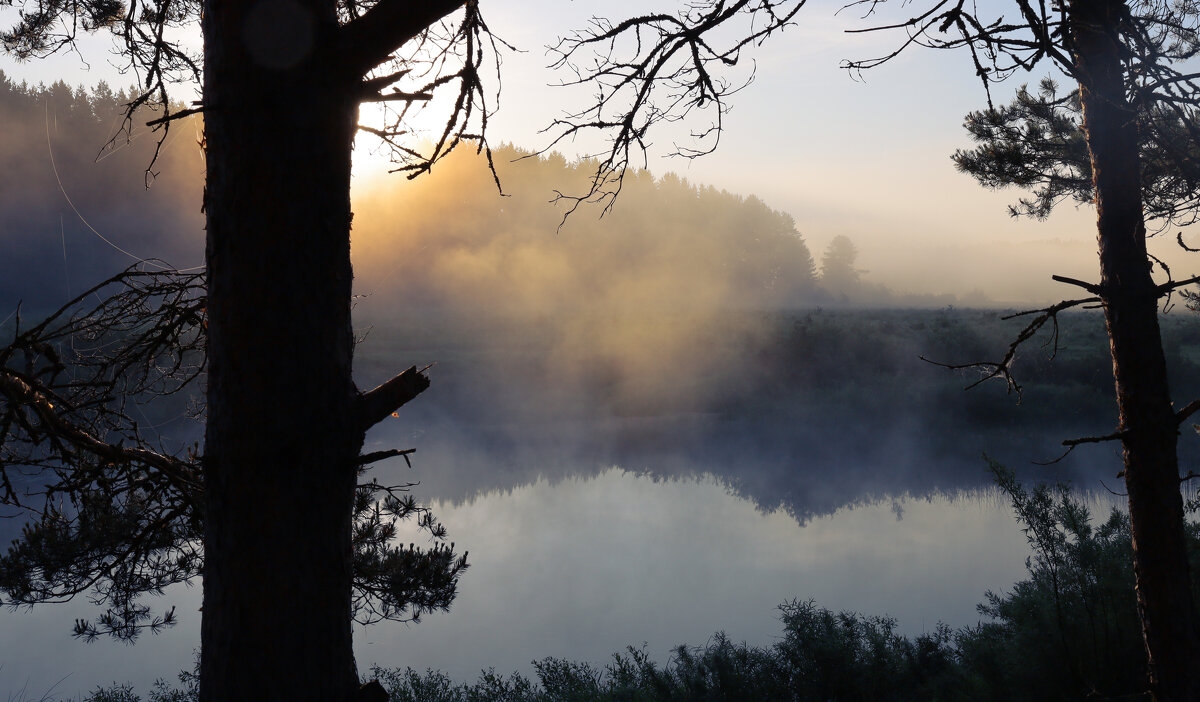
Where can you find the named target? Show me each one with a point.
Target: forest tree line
(449, 242)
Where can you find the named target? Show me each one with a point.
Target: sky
(867, 156)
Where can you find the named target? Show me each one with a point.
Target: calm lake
(584, 566)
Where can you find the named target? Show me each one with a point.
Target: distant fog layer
(807, 410)
(688, 330)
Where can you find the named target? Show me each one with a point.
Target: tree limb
(1175, 284)
(1115, 436)
(397, 95)
(653, 70)
(181, 473)
(371, 86)
(180, 114)
(1090, 287)
(366, 42)
(1003, 368)
(376, 456)
(1188, 410)
(1072, 443)
(378, 404)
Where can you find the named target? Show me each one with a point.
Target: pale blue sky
(867, 158)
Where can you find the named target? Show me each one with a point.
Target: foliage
(1073, 625)
(109, 509)
(1139, 98)
(392, 582)
(1037, 143)
(114, 693)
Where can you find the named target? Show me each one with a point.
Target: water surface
(581, 567)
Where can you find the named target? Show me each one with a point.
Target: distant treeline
(448, 241)
(452, 241)
(71, 176)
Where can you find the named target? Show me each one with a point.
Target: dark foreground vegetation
(1068, 632)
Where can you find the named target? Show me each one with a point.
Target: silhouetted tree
(1137, 109)
(114, 508)
(282, 82)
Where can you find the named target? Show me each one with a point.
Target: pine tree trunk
(282, 441)
(1147, 419)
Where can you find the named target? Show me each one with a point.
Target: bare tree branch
(654, 70)
(369, 40)
(380, 403)
(1090, 287)
(376, 456)
(1003, 368)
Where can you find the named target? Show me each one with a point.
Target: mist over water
(831, 409)
(692, 332)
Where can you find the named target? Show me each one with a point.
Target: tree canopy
(1037, 143)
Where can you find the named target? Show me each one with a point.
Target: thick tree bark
(283, 435)
(282, 83)
(1147, 420)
